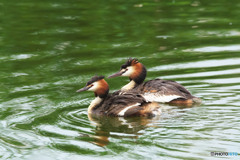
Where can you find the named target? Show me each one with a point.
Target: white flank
(154, 97)
(122, 112)
(94, 103)
(128, 86)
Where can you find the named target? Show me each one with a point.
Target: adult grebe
(129, 104)
(157, 90)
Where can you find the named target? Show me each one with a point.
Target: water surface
(49, 49)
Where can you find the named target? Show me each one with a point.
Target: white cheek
(94, 87)
(129, 72)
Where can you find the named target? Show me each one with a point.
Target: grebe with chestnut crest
(125, 105)
(157, 90)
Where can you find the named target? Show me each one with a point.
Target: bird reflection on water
(129, 127)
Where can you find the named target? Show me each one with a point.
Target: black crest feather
(95, 79)
(129, 62)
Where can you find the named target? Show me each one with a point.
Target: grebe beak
(83, 89)
(116, 74)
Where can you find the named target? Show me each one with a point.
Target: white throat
(94, 103)
(128, 86)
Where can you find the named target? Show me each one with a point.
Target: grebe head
(133, 69)
(98, 85)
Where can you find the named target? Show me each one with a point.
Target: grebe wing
(163, 91)
(119, 105)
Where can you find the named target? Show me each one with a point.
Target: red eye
(125, 70)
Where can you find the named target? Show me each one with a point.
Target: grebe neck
(139, 75)
(129, 86)
(94, 104)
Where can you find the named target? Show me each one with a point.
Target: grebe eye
(125, 70)
(90, 85)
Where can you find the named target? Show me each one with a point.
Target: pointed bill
(83, 89)
(116, 74)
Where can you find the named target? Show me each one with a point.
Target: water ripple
(57, 47)
(198, 64)
(230, 48)
(209, 74)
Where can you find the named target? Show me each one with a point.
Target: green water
(49, 49)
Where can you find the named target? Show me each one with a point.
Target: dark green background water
(49, 49)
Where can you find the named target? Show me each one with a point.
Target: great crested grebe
(129, 104)
(157, 90)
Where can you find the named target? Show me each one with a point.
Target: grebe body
(115, 104)
(157, 90)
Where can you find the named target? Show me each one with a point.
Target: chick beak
(116, 74)
(83, 89)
